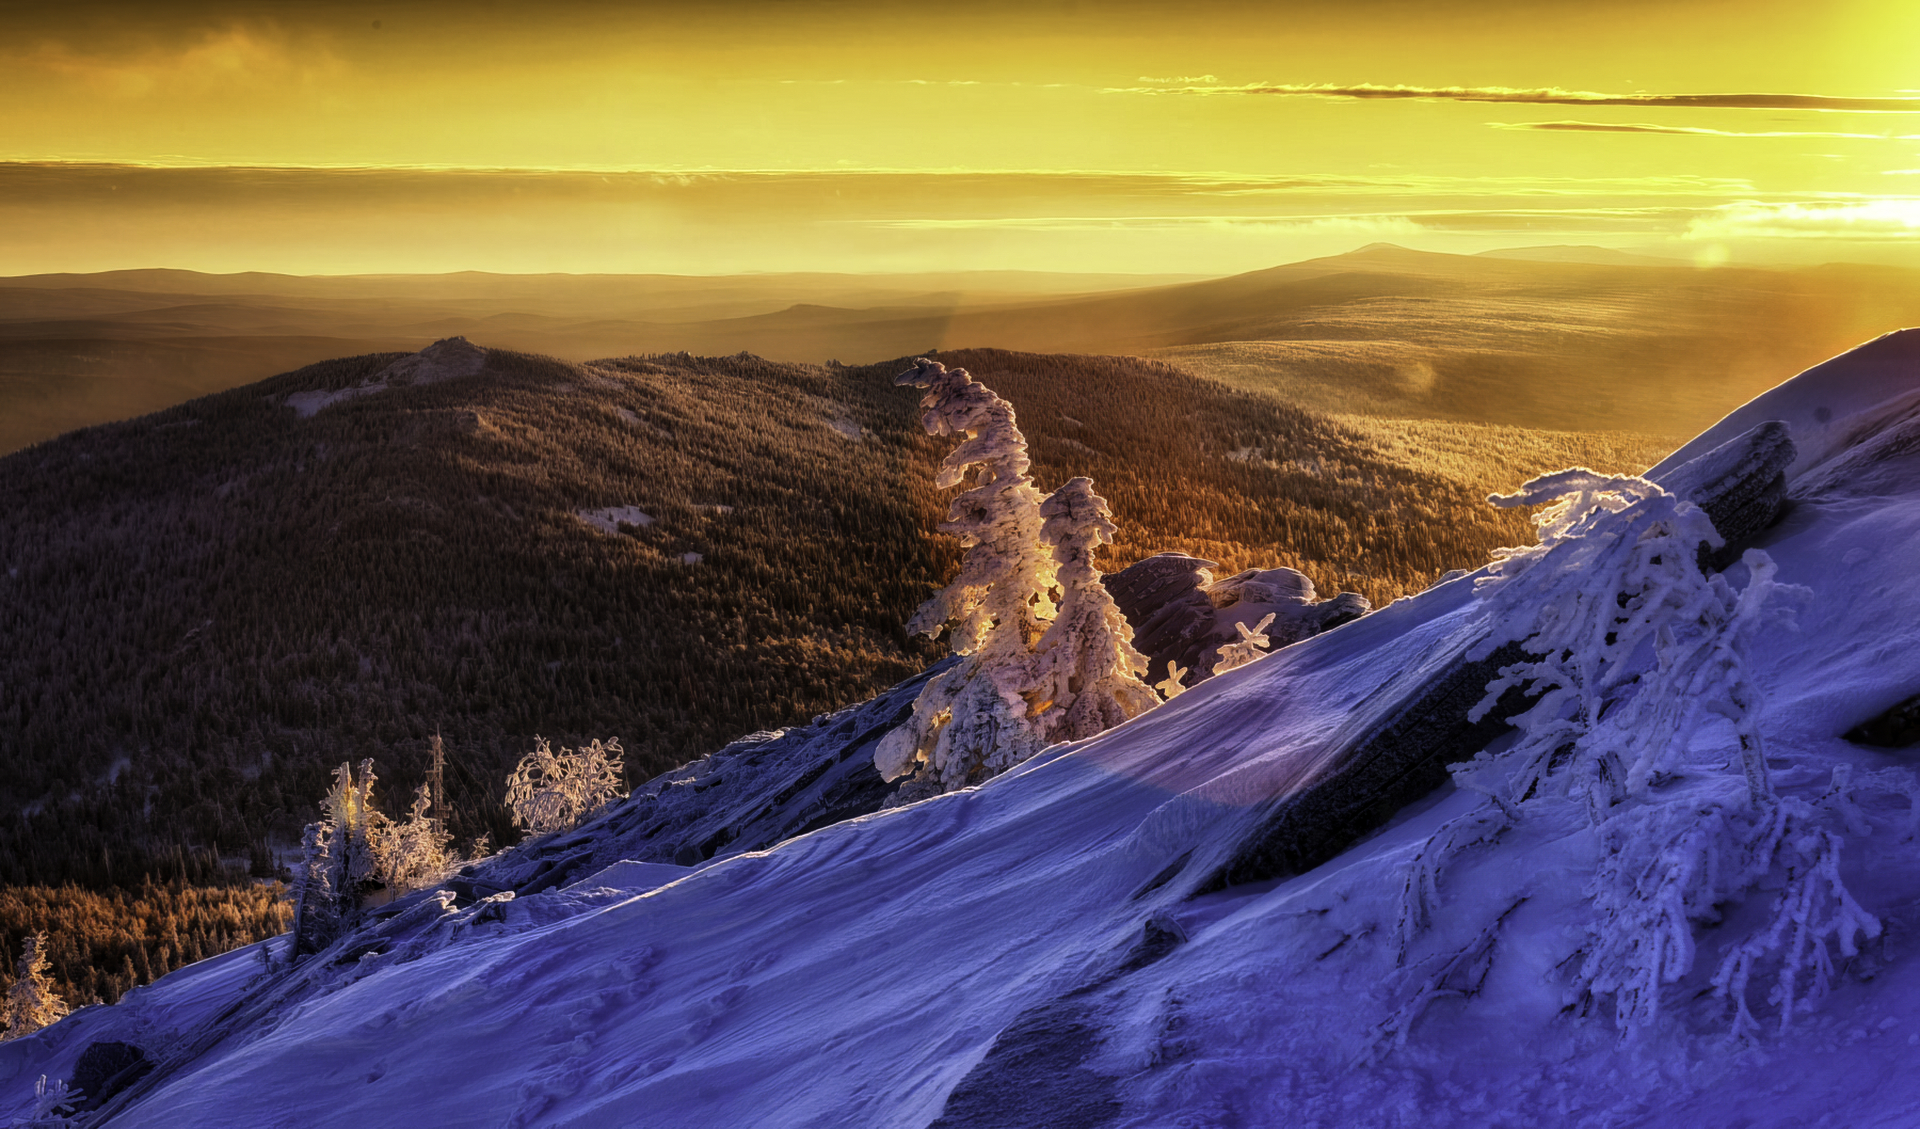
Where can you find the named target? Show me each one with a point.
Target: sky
(1211, 137)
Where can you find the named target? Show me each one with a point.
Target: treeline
(102, 944)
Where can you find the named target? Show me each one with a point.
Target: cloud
(1691, 131)
(1551, 96)
(1892, 218)
(1401, 223)
(216, 60)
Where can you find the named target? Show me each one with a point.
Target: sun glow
(1659, 126)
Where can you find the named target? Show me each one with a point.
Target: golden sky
(1047, 134)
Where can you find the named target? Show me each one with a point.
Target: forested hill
(203, 610)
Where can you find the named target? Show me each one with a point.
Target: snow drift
(1043, 949)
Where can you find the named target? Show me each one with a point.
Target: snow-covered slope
(1032, 952)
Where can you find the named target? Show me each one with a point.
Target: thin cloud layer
(1886, 219)
(1693, 131)
(1553, 96)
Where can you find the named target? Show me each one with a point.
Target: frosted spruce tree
(1086, 671)
(316, 908)
(1645, 727)
(31, 1002)
(978, 717)
(344, 853)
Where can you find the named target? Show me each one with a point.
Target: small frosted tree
(976, 718)
(1250, 646)
(343, 854)
(415, 852)
(31, 1002)
(316, 907)
(1086, 671)
(551, 791)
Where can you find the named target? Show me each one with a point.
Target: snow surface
(856, 975)
(308, 404)
(607, 519)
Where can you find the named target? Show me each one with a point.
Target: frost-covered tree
(415, 852)
(1645, 726)
(316, 907)
(1250, 646)
(54, 1103)
(31, 1002)
(550, 791)
(1086, 673)
(342, 855)
(978, 718)
(359, 831)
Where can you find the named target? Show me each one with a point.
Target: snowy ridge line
(1411, 737)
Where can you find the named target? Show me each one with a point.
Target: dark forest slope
(203, 610)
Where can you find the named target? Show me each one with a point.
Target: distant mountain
(1575, 339)
(1565, 253)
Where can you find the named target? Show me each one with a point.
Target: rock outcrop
(1180, 614)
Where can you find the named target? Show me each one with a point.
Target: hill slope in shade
(1032, 951)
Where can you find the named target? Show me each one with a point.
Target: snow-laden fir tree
(551, 791)
(344, 854)
(977, 718)
(1645, 727)
(1086, 673)
(31, 1002)
(316, 908)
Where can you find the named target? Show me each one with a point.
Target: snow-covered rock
(1182, 615)
(447, 359)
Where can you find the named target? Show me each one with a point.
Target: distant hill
(205, 609)
(1569, 253)
(1566, 338)
(81, 349)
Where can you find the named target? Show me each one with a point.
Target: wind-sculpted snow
(1013, 953)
